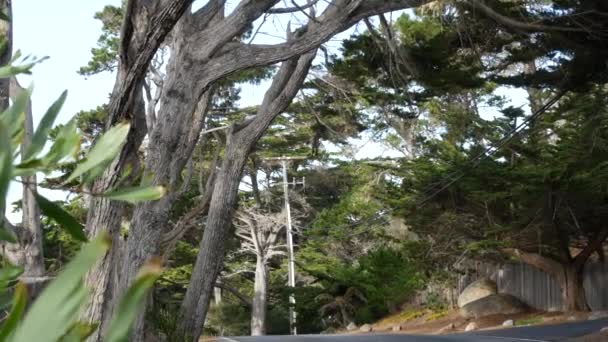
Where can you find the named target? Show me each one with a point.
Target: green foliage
(105, 55)
(9, 325)
(384, 277)
(64, 219)
(54, 315)
(131, 302)
(104, 151)
(57, 307)
(136, 194)
(59, 246)
(529, 321)
(44, 127)
(228, 320)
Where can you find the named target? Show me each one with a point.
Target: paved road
(560, 332)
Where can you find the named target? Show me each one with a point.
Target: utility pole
(291, 270)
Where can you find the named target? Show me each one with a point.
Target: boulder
(396, 327)
(508, 323)
(493, 305)
(471, 326)
(604, 330)
(351, 326)
(365, 328)
(477, 290)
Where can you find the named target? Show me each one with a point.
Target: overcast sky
(65, 31)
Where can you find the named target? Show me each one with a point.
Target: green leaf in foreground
(44, 127)
(53, 313)
(14, 116)
(10, 322)
(62, 217)
(104, 151)
(9, 273)
(137, 194)
(7, 236)
(132, 301)
(6, 165)
(67, 143)
(12, 70)
(79, 332)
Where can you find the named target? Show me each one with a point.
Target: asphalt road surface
(559, 332)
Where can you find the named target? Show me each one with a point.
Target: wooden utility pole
(291, 270)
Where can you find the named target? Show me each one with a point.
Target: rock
(604, 330)
(328, 331)
(445, 329)
(471, 326)
(396, 327)
(477, 290)
(572, 318)
(351, 326)
(493, 305)
(365, 328)
(508, 323)
(598, 315)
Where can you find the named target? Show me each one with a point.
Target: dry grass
(403, 317)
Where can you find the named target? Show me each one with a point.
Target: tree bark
(6, 41)
(260, 293)
(105, 215)
(171, 144)
(31, 256)
(284, 87)
(145, 26)
(6, 51)
(573, 292)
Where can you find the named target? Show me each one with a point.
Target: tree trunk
(573, 292)
(260, 293)
(239, 144)
(196, 302)
(106, 216)
(170, 148)
(144, 28)
(6, 40)
(27, 253)
(217, 295)
(31, 254)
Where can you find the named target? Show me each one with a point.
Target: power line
(488, 152)
(492, 149)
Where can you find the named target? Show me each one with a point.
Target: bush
(228, 319)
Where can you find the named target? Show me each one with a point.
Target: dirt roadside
(451, 322)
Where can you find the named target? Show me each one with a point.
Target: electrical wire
(491, 150)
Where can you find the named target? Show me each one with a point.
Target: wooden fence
(537, 288)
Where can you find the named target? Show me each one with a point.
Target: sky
(65, 31)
